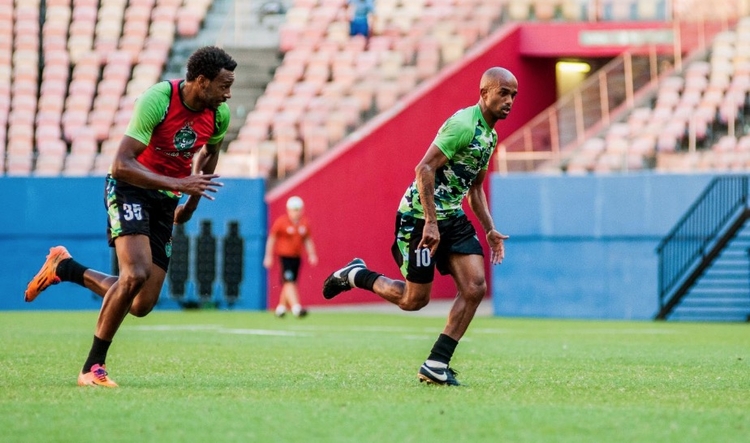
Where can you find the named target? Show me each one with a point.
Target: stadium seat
(288, 158)
(49, 165)
(519, 10)
(544, 10)
(19, 164)
(102, 163)
(77, 165)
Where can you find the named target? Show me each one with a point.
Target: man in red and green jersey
(170, 148)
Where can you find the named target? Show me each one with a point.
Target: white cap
(294, 202)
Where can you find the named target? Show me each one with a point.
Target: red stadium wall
(351, 193)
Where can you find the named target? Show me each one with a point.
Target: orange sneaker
(46, 276)
(97, 377)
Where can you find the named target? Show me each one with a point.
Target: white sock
(280, 309)
(436, 364)
(351, 275)
(296, 309)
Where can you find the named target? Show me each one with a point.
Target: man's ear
(203, 81)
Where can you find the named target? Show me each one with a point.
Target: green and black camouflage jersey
(468, 142)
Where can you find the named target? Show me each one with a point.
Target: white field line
(408, 332)
(296, 331)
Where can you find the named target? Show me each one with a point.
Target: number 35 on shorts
(423, 258)
(131, 212)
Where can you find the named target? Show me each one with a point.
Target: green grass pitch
(351, 377)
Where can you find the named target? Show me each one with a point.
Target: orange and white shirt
(290, 237)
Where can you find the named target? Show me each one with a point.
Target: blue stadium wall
(38, 213)
(584, 247)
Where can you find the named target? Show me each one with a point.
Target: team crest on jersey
(185, 138)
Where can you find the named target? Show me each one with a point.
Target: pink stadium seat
(20, 144)
(254, 134)
(21, 117)
(265, 158)
(19, 164)
(643, 146)
(48, 132)
(386, 95)
(84, 141)
(288, 157)
(49, 166)
(349, 107)
(725, 143)
(336, 126)
(428, 58)
(743, 144)
(364, 92)
(289, 36)
(102, 163)
(188, 21)
(315, 142)
(670, 135)
(77, 165)
(519, 10)
(356, 44)
(544, 10)
(344, 77)
(317, 72)
(52, 148)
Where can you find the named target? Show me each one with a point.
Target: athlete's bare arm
(126, 168)
(204, 162)
(478, 204)
(433, 160)
(206, 158)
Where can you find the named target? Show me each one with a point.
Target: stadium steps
(723, 292)
(255, 68)
(716, 256)
(251, 37)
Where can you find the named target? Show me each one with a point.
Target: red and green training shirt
(171, 131)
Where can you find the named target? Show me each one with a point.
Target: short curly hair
(208, 61)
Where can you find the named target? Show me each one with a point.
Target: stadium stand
(685, 118)
(72, 69)
(330, 83)
(693, 121)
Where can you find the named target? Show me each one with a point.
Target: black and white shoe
(438, 376)
(338, 282)
(302, 313)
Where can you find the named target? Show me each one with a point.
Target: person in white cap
(289, 235)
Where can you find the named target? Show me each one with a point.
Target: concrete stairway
(255, 68)
(250, 36)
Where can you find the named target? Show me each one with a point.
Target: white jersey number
(132, 211)
(423, 257)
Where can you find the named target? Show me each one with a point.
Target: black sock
(443, 348)
(97, 354)
(70, 270)
(365, 279)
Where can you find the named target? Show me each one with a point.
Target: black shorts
(132, 210)
(290, 269)
(457, 236)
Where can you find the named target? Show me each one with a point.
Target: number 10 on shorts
(423, 257)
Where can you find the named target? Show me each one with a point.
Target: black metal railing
(687, 242)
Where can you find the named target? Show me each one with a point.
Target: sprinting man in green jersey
(432, 229)
(170, 148)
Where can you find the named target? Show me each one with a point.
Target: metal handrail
(689, 239)
(557, 132)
